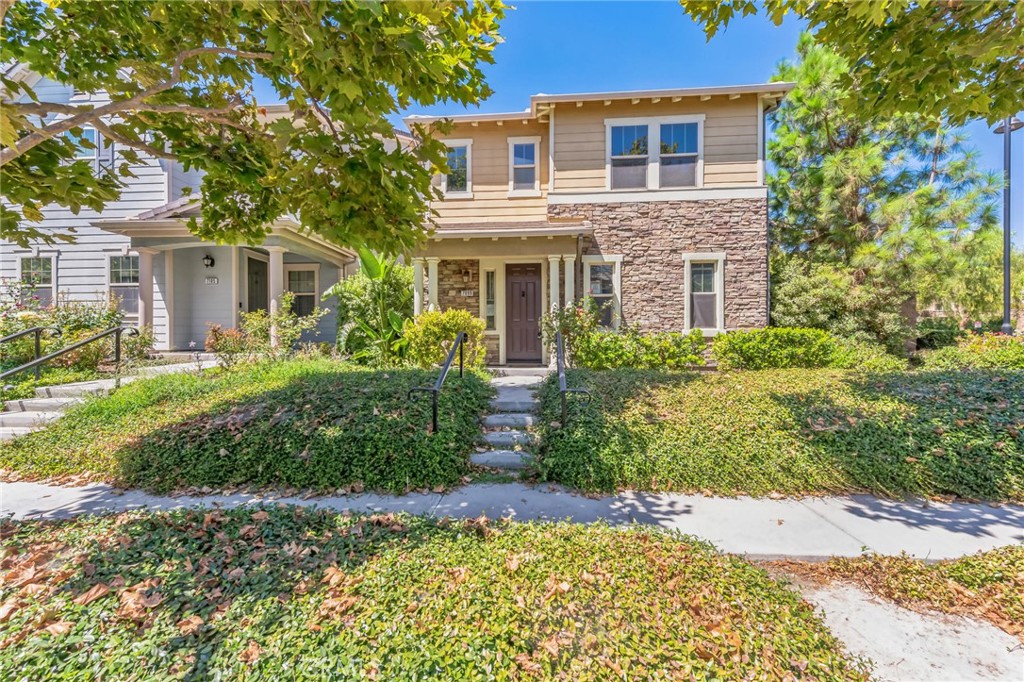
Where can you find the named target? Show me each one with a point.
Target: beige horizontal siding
(730, 139)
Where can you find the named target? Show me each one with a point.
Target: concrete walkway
(809, 529)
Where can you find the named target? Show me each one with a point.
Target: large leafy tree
(894, 207)
(958, 59)
(181, 76)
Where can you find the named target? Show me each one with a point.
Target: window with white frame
(91, 147)
(629, 157)
(705, 296)
(124, 283)
(490, 299)
(660, 152)
(458, 181)
(523, 176)
(301, 281)
(37, 280)
(602, 284)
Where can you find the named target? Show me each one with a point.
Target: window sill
(455, 196)
(524, 194)
(708, 333)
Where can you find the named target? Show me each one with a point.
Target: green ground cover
(290, 593)
(314, 424)
(931, 433)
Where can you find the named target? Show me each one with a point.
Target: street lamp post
(1010, 124)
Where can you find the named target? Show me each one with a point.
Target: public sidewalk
(808, 528)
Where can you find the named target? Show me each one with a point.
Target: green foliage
(313, 424)
(300, 594)
(181, 78)
(255, 335)
(774, 348)
(866, 357)
(938, 332)
(373, 306)
(589, 346)
(792, 432)
(230, 345)
(979, 351)
(958, 60)
(430, 337)
(24, 385)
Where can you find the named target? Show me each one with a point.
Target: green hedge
(793, 347)
(299, 595)
(978, 351)
(629, 348)
(790, 431)
(313, 424)
(431, 334)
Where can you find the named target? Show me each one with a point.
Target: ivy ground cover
(313, 424)
(802, 431)
(292, 593)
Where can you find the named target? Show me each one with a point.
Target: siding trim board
(644, 196)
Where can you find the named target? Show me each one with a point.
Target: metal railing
(116, 332)
(563, 390)
(436, 388)
(37, 332)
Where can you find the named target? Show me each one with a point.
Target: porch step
(27, 419)
(526, 405)
(508, 439)
(514, 420)
(512, 460)
(41, 404)
(514, 371)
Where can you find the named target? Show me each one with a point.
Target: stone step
(516, 420)
(525, 405)
(501, 459)
(41, 404)
(10, 432)
(29, 419)
(508, 439)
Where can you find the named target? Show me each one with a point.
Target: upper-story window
(662, 152)
(458, 181)
(91, 147)
(523, 175)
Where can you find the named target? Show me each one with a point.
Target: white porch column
(276, 280)
(433, 283)
(417, 286)
(570, 280)
(553, 299)
(146, 286)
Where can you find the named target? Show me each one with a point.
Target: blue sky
(559, 47)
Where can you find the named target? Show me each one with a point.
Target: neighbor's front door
(257, 285)
(522, 326)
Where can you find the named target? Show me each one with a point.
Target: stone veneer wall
(451, 285)
(652, 236)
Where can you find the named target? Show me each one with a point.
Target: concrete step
(519, 371)
(501, 459)
(27, 418)
(11, 432)
(529, 382)
(517, 420)
(82, 388)
(41, 404)
(525, 405)
(508, 439)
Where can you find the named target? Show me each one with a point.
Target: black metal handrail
(38, 333)
(436, 388)
(38, 362)
(560, 352)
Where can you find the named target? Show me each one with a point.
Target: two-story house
(651, 203)
(139, 251)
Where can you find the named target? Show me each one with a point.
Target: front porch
(509, 277)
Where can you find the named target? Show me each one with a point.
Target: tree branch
(111, 134)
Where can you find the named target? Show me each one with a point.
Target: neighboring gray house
(139, 250)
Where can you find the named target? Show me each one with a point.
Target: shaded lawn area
(791, 432)
(988, 585)
(314, 424)
(307, 594)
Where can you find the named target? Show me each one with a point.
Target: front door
(257, 286)
(522, 326)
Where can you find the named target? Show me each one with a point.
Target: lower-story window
(602, 283)
(124, 283)
(705, 297)
(301, 280)
(37, 280)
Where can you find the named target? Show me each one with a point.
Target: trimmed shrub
(796, 432)
(628, 348)
(430, 337)
(867, 357)
(978, 351)
(774, 348)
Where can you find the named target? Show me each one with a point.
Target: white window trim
(718, 259)
(109, 256)
(486, 267)
(468, 194)
(616, 261)
(305, 267)
(653, 124)
(53, 271)
(535, 141)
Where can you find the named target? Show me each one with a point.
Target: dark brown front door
(523, 289)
